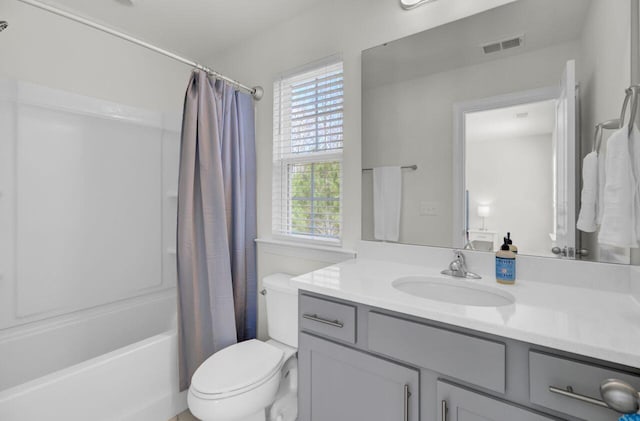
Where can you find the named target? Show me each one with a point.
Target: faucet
(458, 267)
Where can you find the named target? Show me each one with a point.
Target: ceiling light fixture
(412, 4)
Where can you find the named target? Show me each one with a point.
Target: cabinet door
(342, 384)
(457, 404)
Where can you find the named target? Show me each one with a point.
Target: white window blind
(307, 154)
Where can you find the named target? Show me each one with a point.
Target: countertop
(593, 323)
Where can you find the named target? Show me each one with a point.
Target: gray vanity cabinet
(458, 404)
(358, 362)
(342, 384)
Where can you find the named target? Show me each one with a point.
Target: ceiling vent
(502, 45)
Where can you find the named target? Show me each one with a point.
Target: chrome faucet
(458, 267)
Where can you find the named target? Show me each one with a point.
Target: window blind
(307, 154)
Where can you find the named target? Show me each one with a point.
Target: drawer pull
(315, 318)
(444, 410)
(569, 393)
(407, 394)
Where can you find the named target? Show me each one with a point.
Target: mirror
(479, 127)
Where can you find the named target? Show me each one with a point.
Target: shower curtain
(217, 290)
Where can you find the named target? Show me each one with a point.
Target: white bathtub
(102, 366)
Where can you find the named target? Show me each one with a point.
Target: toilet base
(258, 416)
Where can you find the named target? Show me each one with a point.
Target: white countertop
(594, 323)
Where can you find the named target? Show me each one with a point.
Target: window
(307, 154)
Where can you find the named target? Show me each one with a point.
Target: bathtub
(114, 363)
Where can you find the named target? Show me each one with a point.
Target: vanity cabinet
(342, 384)
(458, 404)
(358, 362)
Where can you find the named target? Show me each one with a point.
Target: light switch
(430, 208)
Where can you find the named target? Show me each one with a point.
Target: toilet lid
(237, 367)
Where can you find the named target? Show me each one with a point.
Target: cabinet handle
(569, 393)
(407, 394)
(315, 318)
(444, 410)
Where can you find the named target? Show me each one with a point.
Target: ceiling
(459, 44)
(195, 28)
(526, 120)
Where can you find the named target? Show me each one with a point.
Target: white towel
(602, 179)
(387, 199)
(589, 197)
(620, 214)
(611, 254)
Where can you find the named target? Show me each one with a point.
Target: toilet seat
(237, 369)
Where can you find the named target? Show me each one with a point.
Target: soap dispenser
(505, 264)
(512, 247)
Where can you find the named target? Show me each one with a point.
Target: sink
(453, 291)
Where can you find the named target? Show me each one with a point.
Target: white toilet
(254, 380)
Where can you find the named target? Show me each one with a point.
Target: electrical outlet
(430, 208)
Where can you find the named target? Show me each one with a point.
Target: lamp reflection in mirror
(412, 4)
(484, 211)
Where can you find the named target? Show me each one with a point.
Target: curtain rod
(256, 92)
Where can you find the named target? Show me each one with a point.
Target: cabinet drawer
(467, 358)
(546, 371)
(328, 318)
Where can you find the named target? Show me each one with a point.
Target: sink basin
(453, 291)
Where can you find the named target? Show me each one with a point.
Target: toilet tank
(282, 308)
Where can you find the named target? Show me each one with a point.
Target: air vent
(492, 48)
(511, 43)
(504, 44)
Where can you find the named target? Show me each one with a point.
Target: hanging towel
(602, 179)
(589, 197)
(620, 213)
(387, 198)
(611, 254)
(634, 152)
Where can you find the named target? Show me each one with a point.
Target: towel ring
(597, 138)
(627, 96)
(632, 92)
(600, 127)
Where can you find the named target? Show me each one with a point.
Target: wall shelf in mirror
(404, 167)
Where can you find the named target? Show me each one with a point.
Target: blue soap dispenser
(505, 264)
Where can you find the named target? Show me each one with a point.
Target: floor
(185, 416)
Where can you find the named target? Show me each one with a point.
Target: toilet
(254, 380)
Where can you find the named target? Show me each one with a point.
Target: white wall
(49, 50)
(412, 123)
(64, 167)
(516, 175)
(334, 27)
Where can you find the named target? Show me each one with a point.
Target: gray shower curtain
(217, 291)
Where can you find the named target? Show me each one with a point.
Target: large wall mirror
(479, 127)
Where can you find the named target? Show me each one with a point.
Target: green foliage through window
(315, 199)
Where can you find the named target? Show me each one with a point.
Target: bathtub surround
(216, 222)
(101, 341)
